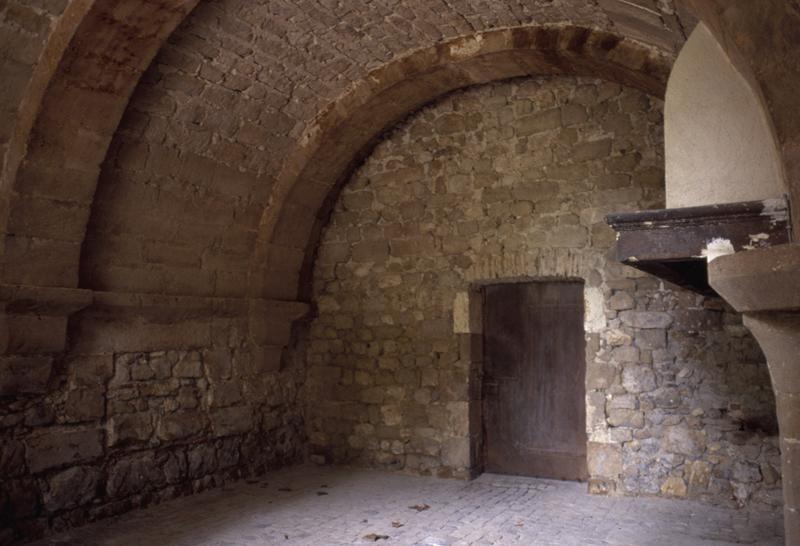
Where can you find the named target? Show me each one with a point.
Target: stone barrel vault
(167, 168)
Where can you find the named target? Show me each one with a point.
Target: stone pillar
(764, 285)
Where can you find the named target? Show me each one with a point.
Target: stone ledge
(119, 322)
(35, 318)
(167, 307)
(57, 301)
(44, 300)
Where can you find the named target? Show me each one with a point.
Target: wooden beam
(672, 244)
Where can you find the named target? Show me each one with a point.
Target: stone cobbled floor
(310, 505)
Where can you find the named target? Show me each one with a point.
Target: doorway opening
(534, 369)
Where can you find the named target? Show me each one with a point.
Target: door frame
(472, 351)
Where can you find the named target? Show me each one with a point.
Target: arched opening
(512, 180)
(307, 187)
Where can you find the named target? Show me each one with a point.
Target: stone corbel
(271, 329)
(161, 308)
(118, 322)
(33, 329)
(764, 285)
(122, 322)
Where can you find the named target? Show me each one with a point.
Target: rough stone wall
(679, 400)
(512, 181)
(119, 428)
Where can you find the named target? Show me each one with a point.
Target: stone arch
(344, 134)
(147, 24)
(89, 69)
(350, 307)
(33, 89)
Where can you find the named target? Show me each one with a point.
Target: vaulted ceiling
(177, 147)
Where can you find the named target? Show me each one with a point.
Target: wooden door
(534, 412)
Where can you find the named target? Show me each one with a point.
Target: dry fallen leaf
(396, 524)
(419, 507)
(375, 538)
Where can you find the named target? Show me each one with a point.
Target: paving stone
(285, 507)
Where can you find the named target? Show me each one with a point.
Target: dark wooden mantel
(672, 243)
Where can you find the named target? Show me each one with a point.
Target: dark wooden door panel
(534, 393)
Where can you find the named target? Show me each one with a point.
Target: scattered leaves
(375, 538)
(419, 507)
